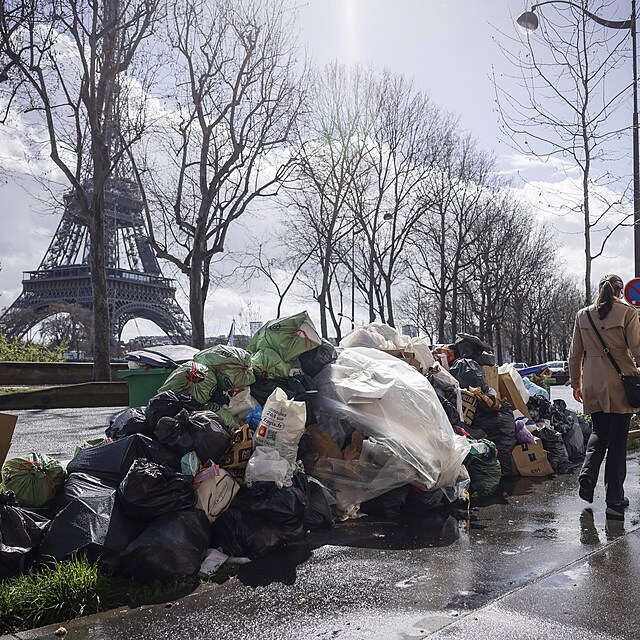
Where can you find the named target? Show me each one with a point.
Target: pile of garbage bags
(242, 451)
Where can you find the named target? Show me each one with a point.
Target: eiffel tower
(135, 284)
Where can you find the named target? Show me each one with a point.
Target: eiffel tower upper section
(136, 286)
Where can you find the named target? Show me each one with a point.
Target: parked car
(520, 365)
(559, 369)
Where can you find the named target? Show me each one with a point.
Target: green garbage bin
(143, 384)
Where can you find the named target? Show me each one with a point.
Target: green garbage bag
(34, 479)
(89, 444)
(232, 366)
(193, 378)
(484, 467)
(268, 364)
(288, 337)
(229, 421)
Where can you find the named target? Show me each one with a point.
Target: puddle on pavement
(565, 580)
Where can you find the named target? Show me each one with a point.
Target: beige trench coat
(602, 388)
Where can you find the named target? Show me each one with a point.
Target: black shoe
(625, 502)
(586, 488)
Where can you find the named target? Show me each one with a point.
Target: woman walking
(597, 384)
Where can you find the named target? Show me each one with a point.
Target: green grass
(7, 390)
(65, 590)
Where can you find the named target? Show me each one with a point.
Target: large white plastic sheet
(391, 402)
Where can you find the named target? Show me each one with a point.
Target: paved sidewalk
(531, 564)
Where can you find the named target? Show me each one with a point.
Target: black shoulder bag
(631, 384)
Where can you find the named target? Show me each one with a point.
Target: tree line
(211, 107)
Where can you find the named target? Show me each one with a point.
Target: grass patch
(7, 390)
(76, 587)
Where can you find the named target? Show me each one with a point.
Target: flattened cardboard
(469, 406)
(531, 459)
(491, 374)
(509, 391)
(7, 425)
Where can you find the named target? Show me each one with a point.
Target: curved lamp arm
(612, 24)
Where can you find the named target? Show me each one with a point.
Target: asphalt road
(57, 432)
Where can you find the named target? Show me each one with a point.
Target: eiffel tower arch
(136, 287)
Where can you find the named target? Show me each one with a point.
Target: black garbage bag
(314, 361)
(419, 501)
(21, 533)
(319, 514)
(172, 546)
(243, 534)
(127, 423)
(469, 374)
(202, 432)
(82, 485)
(468, 346)
(284, 507)
(149, 490)
(168, 403)
(110, 462)
(500, 428)
(301, 388)
(553, 444)
(586, 428)
(93, 524)
(388, 505)
(158, 452)
(449, 408)
(542, 409)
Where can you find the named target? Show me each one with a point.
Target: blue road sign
(632, 292)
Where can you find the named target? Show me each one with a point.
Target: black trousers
(609, 437)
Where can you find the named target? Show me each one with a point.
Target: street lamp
(529, 21)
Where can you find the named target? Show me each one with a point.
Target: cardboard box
(531, 459)
(491, 374)
(469, 406)
(7, 425)
(509, 391)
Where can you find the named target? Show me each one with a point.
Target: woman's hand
(577, 394)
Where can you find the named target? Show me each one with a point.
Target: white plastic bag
(216, 489)
(420, 348)
(242, 403)
(403, 412)
(375, 336)
(281, 427)
(266, 465)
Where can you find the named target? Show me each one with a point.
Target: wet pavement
(532, 563)
(57, 432)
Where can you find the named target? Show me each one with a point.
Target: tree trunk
(100, 299)
(196, 302)
(101, 316)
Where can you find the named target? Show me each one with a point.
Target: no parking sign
(632, 292)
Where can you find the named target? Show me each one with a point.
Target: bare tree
(566, 71)
(237, 98)
(407, 136)
(460, 189)
(328, 169)
(64, 63)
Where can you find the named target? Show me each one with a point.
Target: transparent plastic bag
(266, 465)
(397, 406)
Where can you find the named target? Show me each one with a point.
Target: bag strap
(605, 348)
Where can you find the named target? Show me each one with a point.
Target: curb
(88, 394)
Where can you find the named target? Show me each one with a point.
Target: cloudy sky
(448, 46)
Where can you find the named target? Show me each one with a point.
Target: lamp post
(529, 21)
